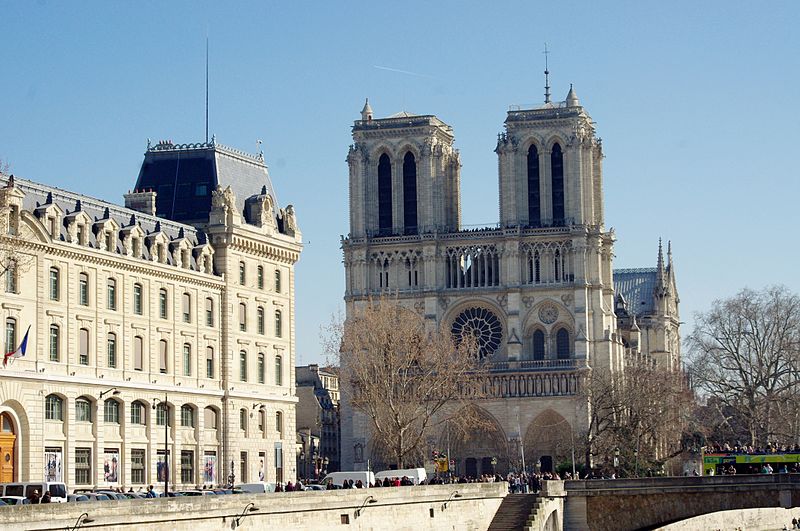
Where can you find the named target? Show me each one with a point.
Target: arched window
(138, 353)
(243, 365)
(260, 320)
(162, 414)
(187, 416)
(210, 419)
(384, 194)
(209, 362)
(112, 294)
(557, 169)
(11, 277)
(279, 422)
(111, 411)
(83, 410)
(262, 421)
(260, 277)
(410, 193)
(278, 370)
(55, 282)
(562, 344)
(55, 343)
(11, 334)
(83, 289)
(138, 306)
(138, 413)
(83, 354)
(187, 359)
(278, 323)
(209, 311)
(187, 308)
(112, 350)
(54, 407)
(163, 303)
(538, 345)
(534, 207)
(162, 356)
(242, 273)
(243, 419)
(260, 368)
(242, 317)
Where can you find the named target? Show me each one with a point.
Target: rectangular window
(277, 281)
(162, 356)
(187, 417)
(187, 360)
(137, 413)
(83, 289)
(83, 466)
(162, 304)
(260, 277)
(243, 466)
(242, 271)
(112, 294)
(209, 362)
(243, 317)
(209, 312)
(278, 323)
(161, 414)
(54, 288)
(187, 308)
(11, 334)
(137, 466)
(243, 366)
(187, 467)
(137, 299)
(83, 410)
(83, 355)
(278, 462)
(138, 353)
(11, 277)
(112, 351)
(54, 343)
(261, 368)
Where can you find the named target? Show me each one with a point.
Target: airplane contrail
(402, 71)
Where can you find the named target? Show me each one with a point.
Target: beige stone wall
(761, 519)
(406, 508)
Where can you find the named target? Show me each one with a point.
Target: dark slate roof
(184, 175)
(39, 195)
(637, 287)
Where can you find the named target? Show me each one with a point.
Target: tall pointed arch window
(534, 207)
(410, 193)
(384, 194)
(557, 169)
(538, 345)
(562, 344)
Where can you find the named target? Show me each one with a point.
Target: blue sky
(691, 99)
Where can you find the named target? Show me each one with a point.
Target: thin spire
(546, 76)
(206, 86)
(660, 272)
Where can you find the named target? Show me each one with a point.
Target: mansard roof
(184, 175)
(39, 195)
(637, 287)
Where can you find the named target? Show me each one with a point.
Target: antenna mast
(206, 88)
(546, 76)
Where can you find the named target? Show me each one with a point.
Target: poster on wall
(111, 464)
(162, 467)
(52, 465)
(210, 469)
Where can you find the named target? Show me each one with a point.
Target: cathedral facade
(538, 289)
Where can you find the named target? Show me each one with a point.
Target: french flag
(20, 351)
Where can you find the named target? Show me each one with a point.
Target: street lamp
(165, 405)
(114, 391)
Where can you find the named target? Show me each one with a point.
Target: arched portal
(8, 442)
(480, 449)
(548, 441)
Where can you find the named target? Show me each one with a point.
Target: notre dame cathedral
(538, 289)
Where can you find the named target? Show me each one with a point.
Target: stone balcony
(535, 378)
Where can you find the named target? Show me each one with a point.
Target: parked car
(97, 496)
(113, 495)
(190, 493)
(15, 500)
(77, 498)
(314, 487)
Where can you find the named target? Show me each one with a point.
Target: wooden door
(7, 441)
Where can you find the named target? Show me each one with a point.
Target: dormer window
(186, 258)
(136, 246)
(82, 240)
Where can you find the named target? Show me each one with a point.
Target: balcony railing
(535, 365)
(534, 378)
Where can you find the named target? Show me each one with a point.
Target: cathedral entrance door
(547, 463)
(471, 467)
(7, 441)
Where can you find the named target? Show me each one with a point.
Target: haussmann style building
(166, 325)
(538, 289)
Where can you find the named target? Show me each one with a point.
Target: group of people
(738, 448)
(35, 497)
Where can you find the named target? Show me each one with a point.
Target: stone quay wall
(433, 507)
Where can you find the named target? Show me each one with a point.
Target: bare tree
(12, 262)
(405, 379)
(745, 357)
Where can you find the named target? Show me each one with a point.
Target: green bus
(717, 463)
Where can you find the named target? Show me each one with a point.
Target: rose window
(481, 324)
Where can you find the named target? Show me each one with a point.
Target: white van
(338, 478)
(58, 491)
(417, 475)
(261, 487)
